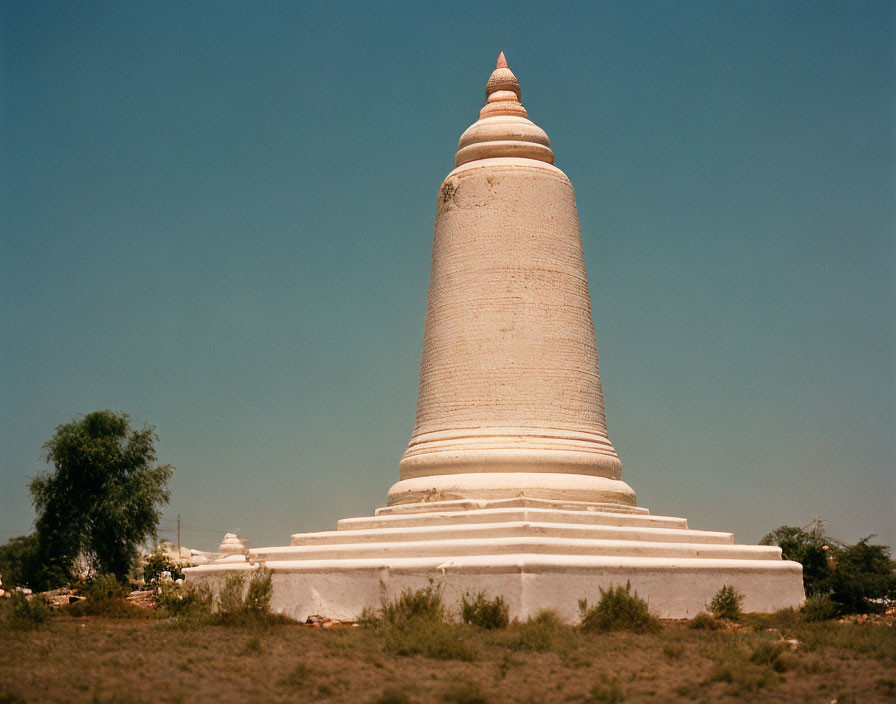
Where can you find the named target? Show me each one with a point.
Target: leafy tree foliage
(809, 546)
(104, 497)
(849, 575)
(21, 565)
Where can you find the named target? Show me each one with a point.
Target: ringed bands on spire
(503, 129)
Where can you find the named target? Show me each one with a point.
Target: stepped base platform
(535, 553)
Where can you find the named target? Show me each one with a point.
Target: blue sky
(218, 217)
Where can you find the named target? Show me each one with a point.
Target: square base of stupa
(536, 554)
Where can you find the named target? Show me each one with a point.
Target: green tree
(809, 546)
(103, 498)
(21, 565)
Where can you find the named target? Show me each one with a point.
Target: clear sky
(217, 216)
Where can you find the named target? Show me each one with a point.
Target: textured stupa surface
(509, 379)
(510, 484)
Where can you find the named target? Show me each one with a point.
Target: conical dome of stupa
(503, 129)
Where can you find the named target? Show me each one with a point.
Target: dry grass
(95, 659)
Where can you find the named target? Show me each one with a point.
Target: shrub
(704, 621)
(618, 610)
(481, 612)
(464, 693)
(673, 651)
(240, 603)
(809, 546)
(427, 637)
(726, 603)
(22, 564)
(159, 561)
(297, 677)
(768, 654)
(104, 587)
(191, 601)
(416, 623)
(22, 612)
(230, 598)
(259, 592)
(862, 572)
(541, 633)
(819, 608)
(392, 695)
(426, 604)
(607, 690)
(106, 597)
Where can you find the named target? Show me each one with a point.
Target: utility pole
(178, 537)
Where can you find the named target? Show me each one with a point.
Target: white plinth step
(520, 545)
(507, 529)
(435, 516)
(535, 553)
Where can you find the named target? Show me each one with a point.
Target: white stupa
(510, 484)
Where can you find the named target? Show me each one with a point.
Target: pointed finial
(502, 62)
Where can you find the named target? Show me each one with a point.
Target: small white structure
(231, 545)
(510, 484)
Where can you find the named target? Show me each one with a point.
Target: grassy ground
(95, 659)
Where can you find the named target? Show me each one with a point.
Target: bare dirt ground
(100, 660)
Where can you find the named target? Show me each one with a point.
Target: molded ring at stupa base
(508, 485)
(590, 459)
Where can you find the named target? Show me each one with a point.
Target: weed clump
(769, 654)
(542, 633)
(464, 693)
(706, 622)
(426, 604)
(618, 610)
(392, 695)
(21, 612)
(106, 597)
(485, 613)
(819, 608)
(243, 602)
(607, 690)
(726, 603)
(159, 561)
(416, 623)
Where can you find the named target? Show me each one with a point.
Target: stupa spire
(503, 128)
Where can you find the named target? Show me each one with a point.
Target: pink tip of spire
(502, 62)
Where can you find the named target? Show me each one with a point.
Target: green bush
(24, 564)
(768, 654)
(706, 622)
(416, 623)
(106, 597)
(862, 572)
(21, 612)
(106, 586)
(726, 603)
(259, 592)
(819, 608)
(192, 601)
(230, 598)
(464, 693)
(618, 610)
(607, 690)
(243, 602)
(852, 575)
(809, 546)
(427, 637)
(426, 604)
(159, 561)
(542, 633)
(392, 695)
(485, 613)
